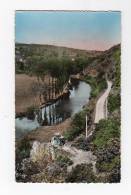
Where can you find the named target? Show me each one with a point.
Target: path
(100, 106)
(79, 157)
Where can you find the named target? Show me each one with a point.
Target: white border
(7, 182)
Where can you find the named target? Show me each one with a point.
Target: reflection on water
(67, 107)
(60, 110)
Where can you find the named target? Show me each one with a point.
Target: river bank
(60, 110)
(45, 133)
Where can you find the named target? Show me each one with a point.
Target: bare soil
(44, 134)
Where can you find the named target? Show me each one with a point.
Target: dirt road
(100, 105)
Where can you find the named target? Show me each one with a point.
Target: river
(58, 111)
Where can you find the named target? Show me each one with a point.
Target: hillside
(51, 50)
(94, 68)
(105, 140)
(25, 52)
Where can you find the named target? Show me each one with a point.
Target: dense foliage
(64, 161)
(97, 85)
(77, 126)
(81, 174)
(113, 102)
(117, 71)
(39, 59)
(23, 149)
(107, 133)
(105, 130)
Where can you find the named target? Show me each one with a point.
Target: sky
(76, 29)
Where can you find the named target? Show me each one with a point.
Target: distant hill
(101, 61)
(26, 50)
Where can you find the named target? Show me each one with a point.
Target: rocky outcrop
(41, 150)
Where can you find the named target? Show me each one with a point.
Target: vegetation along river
(57, 112)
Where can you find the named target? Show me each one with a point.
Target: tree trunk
(49, 87)
(52, 87)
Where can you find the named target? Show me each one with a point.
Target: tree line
(56, 70)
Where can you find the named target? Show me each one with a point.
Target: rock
(53, 169)
(40, 151)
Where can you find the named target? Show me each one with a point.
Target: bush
(109, 166)
(113, 102)
(79, 120)
(23, 148)
(64, 161)
(105, 130)
(117, 75)
(77, 126)
(82, 143)
(115, 174)
(97, 85)
(71, 133)
(81, 174)
(108, 160)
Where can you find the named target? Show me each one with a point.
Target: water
(67, 107)
(24, 125)
(58, 111)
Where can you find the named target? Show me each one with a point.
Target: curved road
(100, 105)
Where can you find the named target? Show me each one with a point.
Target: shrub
(23, 148)
(108, 160)
(97, 85)
(71, 133)
(64, 161)
(77, 126)
(81, 174)
(105, 130)
(117, 68)
(113, 102)
(79, 120)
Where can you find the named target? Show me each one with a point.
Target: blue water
(58, 111)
